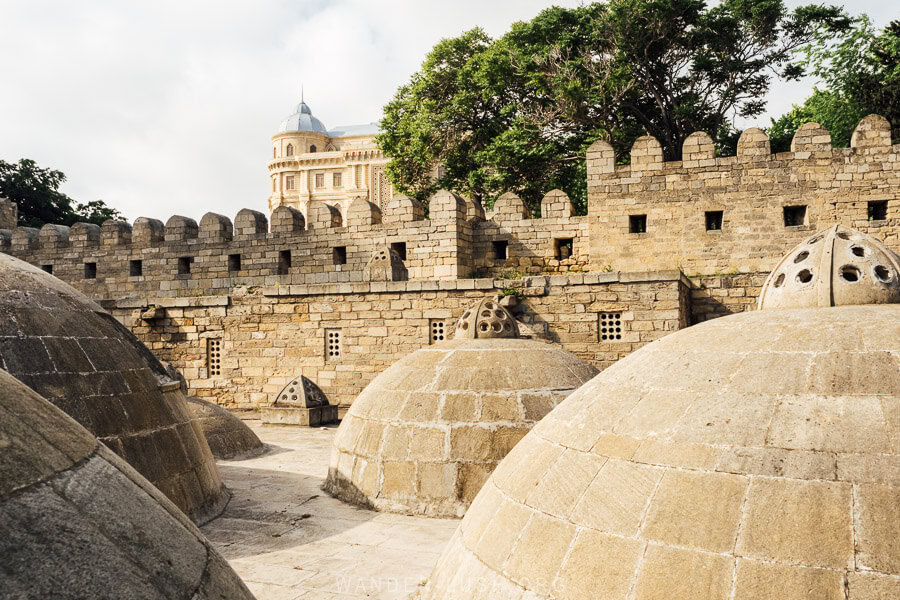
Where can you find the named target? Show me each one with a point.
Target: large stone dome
(424, 435)
(77, 522)
(77, 356)
(752, 457)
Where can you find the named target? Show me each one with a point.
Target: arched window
(290, 149)
(312, 148)
(274, 152)
(273, 184)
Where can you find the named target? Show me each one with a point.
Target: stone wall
(263, 337)
(652, 214)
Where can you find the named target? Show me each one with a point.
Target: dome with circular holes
(835, 267)
(300, 392)
(751, 457)
(424, 435)
(80, 358)
(486, 320)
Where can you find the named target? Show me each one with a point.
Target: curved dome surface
(228, 437)
(302, 119)
(424, 435)
(77, 522)
(755, 456)
(77, 356)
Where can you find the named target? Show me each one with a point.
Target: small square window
(794, 216)
(399, 248)
(234, 262)
(714, 220)
(637, 223)
(184, 265)
(213, 357)
(436, 331)
(339, 255)
(90, 270)
(333, 349)
(336, 180)
(878, 210)
(612, 327)
(320, 180)
(284, 262)
(136, 268)
(563, 248)
(500, 248)
(47, 268)
(289, 182)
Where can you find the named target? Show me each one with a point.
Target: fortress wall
(271, 334)
(751, 189)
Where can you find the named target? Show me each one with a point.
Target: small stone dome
(77, 522)
(300, 392)
(486, 320)
(77, 356)
(302, 119)
(836, 267)
(228, 437)
(424, 435)
(751, 457)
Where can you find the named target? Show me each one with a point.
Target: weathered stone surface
(83, 524)
(228, 437)
(79, 357)
(434, 425)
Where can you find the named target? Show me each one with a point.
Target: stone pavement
(287, 539)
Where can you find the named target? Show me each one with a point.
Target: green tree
(860, 72)
(517, 113)
(35, 190)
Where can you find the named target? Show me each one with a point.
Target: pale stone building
(337, 166)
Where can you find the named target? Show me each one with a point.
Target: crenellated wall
(753, 191)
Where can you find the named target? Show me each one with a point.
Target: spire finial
(302, 100)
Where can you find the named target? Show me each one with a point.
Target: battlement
(707, 214)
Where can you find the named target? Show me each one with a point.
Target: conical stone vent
(750, 457)
(424, 435)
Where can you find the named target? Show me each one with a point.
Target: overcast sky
(168, 107)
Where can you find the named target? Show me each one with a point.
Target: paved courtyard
(288, 539)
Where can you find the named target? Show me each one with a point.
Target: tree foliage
(517, 113)
(860, 73)
(35, 190)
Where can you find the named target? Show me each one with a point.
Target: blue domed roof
(302, 120)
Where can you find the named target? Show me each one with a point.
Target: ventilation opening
(794, 216)
(136, 268)
(878, 210)
(436, 331)
(779, 281)
(500, 248)
(399, 248)
(714, 220)
(611, 327)
(333, 339)
(563, 248)
(48, 268)
(339, 255)
(801, 257)
(882, 273)
(284, 262)
(234, 262)
(637, 224)
(90, 270)
(213, 357)
(804, 276)
(850, 273)
(184, 265)
(858, 251)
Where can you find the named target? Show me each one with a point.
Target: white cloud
(167, 107)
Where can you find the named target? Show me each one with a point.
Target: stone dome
(77, 356)
(302, 119)
(836, 267)
(750, 457)
(424, 435)
(228, 437)
(77, 522)
(486, 319)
